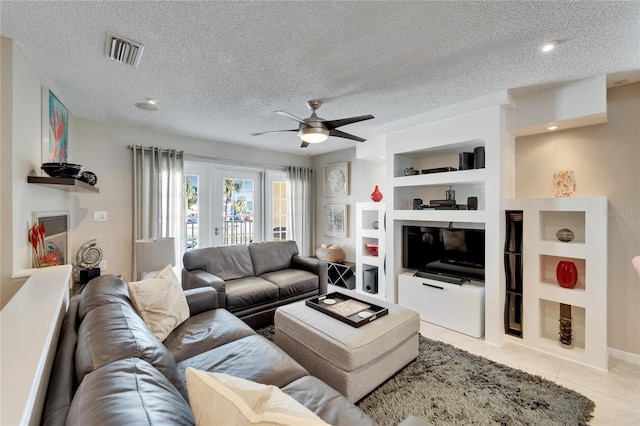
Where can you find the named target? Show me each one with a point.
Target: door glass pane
(279, 213)
(238, 208)
(191, 198)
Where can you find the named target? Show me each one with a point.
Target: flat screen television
(453, 254)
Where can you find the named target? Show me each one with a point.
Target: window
(279, 209)
(191, 185)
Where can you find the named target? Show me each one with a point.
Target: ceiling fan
(315, 129)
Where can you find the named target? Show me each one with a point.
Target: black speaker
(417, 203)
(370, 278)
(87, 275)
(478, 157)
(472, 203)
(465, 161)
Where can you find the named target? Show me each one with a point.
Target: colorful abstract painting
(58, 130)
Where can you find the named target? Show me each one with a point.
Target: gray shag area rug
(448, 386)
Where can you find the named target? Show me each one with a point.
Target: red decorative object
(567, 274)
(373, 249)
(36, 235)
(376, 195)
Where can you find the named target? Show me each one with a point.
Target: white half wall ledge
(30, 325)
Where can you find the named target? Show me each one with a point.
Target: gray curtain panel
(301, 208)
(158, 196)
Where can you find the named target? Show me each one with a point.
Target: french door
(237, 206)
(225, 205)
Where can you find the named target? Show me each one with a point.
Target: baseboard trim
(624, 356)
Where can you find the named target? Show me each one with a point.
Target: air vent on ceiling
(123, 50)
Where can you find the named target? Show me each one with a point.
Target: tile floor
(616, 393)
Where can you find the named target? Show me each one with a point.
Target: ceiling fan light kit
(315, 129)
(313, 134)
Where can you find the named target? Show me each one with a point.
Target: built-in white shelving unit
(542, 295)
(370, 229)
(435, 144)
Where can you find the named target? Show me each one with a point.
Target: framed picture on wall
(55, 129)
(55, 225)
(336, 179)
(335, 220)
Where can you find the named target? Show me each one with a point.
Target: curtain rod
(236, 162)
(149, 148)
(195, 157)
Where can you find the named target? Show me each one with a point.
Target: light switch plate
(99, 216)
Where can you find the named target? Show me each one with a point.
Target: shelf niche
(548, 265)
(550, 321)
(553, 221)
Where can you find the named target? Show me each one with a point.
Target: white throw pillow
(160, 302)
(221, 399)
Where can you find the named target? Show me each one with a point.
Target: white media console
(453, 306)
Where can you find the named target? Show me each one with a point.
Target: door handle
(216, 231)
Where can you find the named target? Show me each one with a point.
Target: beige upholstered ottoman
(354, 361)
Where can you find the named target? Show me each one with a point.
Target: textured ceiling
(219, 69)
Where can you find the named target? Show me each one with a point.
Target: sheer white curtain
(301, 208)
(158, 198)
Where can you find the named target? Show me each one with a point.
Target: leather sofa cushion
(251, 291)
(62, 383)
(128, 392)
(204, 332)
(112, 332)
(253, 358)
(103, 290)
(272, 255)
(292, 282)
(326, 402)
(225, 262)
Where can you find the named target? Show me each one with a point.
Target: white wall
(364, 175)
(102, 149)
(606, 162)
(21, 142)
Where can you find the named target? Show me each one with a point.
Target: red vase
(376, 195)
(567, 274)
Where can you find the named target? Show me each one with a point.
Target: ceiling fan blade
(333, 124)
(304, 144)
(339, 134)
(291, 116)
(273, 131)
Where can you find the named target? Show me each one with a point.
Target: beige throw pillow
(221, 399)
(160, 302)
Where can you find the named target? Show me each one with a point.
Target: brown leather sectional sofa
(110, 369)
(253, 280)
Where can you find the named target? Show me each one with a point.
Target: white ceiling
(219, 69)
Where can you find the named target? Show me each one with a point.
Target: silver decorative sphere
(565, 235)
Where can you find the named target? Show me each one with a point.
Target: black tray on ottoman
(347, 309)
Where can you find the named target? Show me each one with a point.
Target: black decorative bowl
(63, 169)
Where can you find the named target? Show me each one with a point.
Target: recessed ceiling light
(148, 105)
(554, 127)
(549, 45)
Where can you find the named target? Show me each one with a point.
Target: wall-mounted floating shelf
(65, 184)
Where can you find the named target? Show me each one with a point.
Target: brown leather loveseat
(253, 280)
